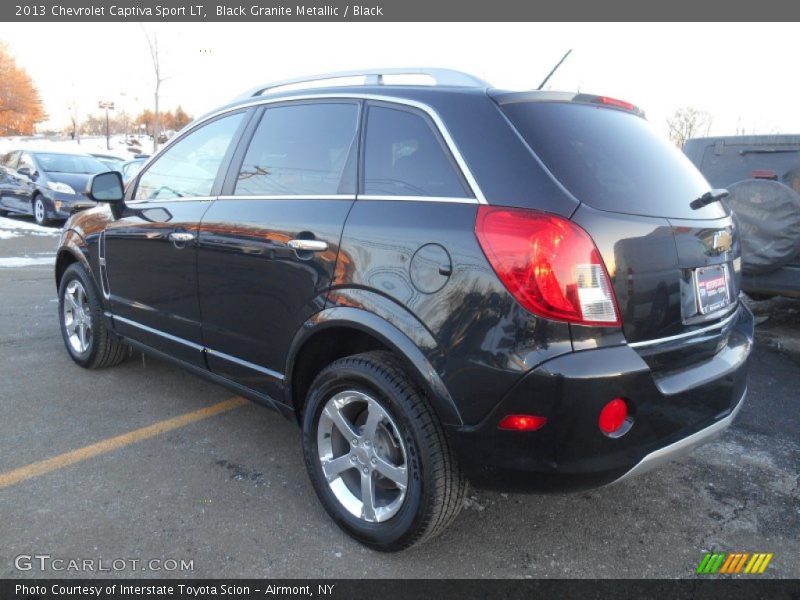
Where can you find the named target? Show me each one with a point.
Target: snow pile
(11, 228)
(11, 262)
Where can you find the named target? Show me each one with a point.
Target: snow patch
(14, 225)
(12, 262)
(7, 235)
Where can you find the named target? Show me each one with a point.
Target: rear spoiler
(504, 97)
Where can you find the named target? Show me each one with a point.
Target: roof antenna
(550, 74)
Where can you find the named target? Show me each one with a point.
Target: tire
(760, 297)
(39, 210)
(408, 438)
(80, 313)
(768, 215)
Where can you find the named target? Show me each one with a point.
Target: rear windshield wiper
(709, 197)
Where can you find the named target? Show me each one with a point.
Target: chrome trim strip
(445, 133)
(418, 199)
(443, 77)
(135, 202)
(290, 197)
(239, 361)
(681, 336)
(684, 446)
(374, 197)
(158, 332)
(244, 363)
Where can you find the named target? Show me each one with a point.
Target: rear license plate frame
(718, 295)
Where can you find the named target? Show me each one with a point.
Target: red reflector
(613, 416)
(522, 422)
(549, 264)
(615, 102)
(764, 174)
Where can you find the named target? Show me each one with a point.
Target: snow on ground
(11, 228)
(87, 145)
(11, 262)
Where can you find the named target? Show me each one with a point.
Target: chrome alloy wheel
(39, 210)
(363, 456)
(77, 317)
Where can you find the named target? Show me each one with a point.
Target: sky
(742, 74)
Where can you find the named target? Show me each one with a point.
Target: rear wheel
(377, 455)
(86, 337)
(40, 211)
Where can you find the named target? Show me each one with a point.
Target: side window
(26, 161)
(299, 150)
(9, 161)
(189, 167)
(404, 157)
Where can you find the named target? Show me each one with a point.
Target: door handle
(180, 237)
(308, 245)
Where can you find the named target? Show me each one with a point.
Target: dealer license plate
(711, 287)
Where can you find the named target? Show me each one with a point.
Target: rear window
(611, 160)
(724, 164)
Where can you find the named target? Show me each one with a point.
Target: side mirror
(106, 187)
(26, 172)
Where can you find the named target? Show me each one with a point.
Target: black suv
(438, 282)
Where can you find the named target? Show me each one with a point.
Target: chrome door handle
(308, 245)
(180, 237)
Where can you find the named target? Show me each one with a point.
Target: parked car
(113, 163)
(438, 283)
(129, 168)
(48, 185)
(762, 173)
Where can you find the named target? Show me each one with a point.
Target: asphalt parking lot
(229, 492)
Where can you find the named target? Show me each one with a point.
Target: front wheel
(86, 337)
(40, 211)
(377, 455)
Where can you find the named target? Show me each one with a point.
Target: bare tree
(686, 123)
(152, 42)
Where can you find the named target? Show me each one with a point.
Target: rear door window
(727, 163)
(301, 150)
(610, 159)
(404, 156)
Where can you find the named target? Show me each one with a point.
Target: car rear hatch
(674, 268)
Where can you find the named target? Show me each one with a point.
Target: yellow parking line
(15, 476)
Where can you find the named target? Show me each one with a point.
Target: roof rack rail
(444, 77)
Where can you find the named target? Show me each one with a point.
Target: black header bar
(397, 10)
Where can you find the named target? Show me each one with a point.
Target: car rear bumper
(676, 405)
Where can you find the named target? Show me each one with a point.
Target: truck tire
(768, 215)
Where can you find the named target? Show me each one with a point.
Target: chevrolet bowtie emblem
(722, 242)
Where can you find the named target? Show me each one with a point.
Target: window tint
(403, 157)
(610, 159)
(299, 150)
(189, 167)
(70, 163)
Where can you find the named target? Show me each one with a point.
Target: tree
(180, 119)
(686, 123)
(20, 105)
(152, 42)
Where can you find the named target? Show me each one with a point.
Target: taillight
(522, 422)
(613, 419)
(615, 102)
(549, 264)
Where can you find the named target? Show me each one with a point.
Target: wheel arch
(341, 331)
(71, 250)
